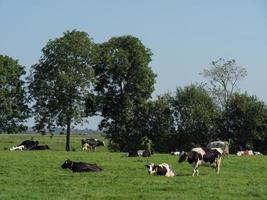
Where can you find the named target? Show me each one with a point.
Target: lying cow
(160, 170)
(40, 147)
(144, 153)
(17, 148)
(93, 143)
(81, 166)
(200, 156)
(257, 153)
(220, 144)
(28, 144)
(140, 153)
(245, 153)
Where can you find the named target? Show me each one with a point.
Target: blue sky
(184, 36)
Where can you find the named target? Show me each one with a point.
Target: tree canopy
(224, 77)
(194, 112)
(124, 82)
(13, 100)
(62, 80)
(248, 117)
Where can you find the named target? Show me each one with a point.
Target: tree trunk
(68, 135)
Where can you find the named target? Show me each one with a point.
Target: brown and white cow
(200, 156)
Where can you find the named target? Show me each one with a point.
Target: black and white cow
(175, 153)
(140, 153)
(17, 148)
(144, 153)
(80, 166)
(92, 143)
(160, 170)
(28, 144)
(199, 156)
(40, 147)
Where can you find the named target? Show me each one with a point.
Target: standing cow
(91, 143)
(199, 156)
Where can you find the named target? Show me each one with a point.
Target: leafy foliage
(160, 124)
(194, 112)
(247, 116)
(223, 79)
(124, 83)
(13, 100)
(62, 80)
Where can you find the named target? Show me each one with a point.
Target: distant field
(38, 175)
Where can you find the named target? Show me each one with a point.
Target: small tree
(13, 101)
(61, 82)
(223, 79)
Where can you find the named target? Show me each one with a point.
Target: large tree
(194, 112)
(248, 122)
(62, 80)
(160, 124)
(224, 76)
(13, 100)
(124, 83)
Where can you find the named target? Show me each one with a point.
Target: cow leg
(197, 166)
(195, 169)
(218, 164)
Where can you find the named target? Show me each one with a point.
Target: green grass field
(38, 175)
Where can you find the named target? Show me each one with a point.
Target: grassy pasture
(38, 175)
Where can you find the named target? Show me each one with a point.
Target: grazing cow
(81, 166)
(86, 146)
(28, 144)
(220, 144)
(93, 143)
(40, 147)
(200, 156)
(160, 170)
(20, 148)
(245, 153)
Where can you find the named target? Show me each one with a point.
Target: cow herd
(209, 156)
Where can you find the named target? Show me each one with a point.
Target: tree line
(76, 78)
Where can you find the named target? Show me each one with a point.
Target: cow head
(101, 143)
(182, 157)
(83, 141)
(67, 164)
(151, 168)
